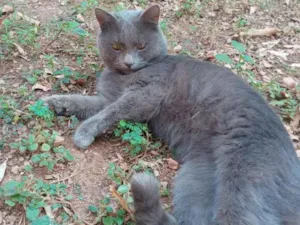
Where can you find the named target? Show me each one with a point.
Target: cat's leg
(81, 106)
(138, 105)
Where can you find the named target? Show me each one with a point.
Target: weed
(134, 134)
(35, 196)
(241, 22)
(42, 111)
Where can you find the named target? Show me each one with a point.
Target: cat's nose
(129, 64)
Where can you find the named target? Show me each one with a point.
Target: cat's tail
(148, 209)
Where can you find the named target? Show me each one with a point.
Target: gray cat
(239, 166)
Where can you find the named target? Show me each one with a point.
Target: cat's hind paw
(82, 138)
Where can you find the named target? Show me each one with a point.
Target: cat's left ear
(151, 15)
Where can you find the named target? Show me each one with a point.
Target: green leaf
(33, 147)
(46, 147)
(22, 148)
(248, 58)
(123, 189)
(43, 220)
(10, 203)
(28, 168)
(238, 46)
(14, 145)
(69, 197)
(93, 208)
(109, 209)
(224, 58)
(36, 158)
(32, 213)
(108, 220)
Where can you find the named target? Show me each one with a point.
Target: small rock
(289, 82)
(9, 156)
(15, 170)
(172, 164)
(164, 184)
(253, 9)
(59, 140)
(7, 9)
(80, 18)
(177, 48)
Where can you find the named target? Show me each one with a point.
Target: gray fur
(239, 166)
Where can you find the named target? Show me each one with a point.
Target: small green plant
(29, 144)
(42, 111)
(134, 134)
(34, 195)
(115, 173)
(241, 22)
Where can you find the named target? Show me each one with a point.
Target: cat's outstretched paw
(60, 104)
(83, 136)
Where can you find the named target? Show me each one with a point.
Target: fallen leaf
(68, 211)
(7, 9)
(292, 46)
(2, 170)
(172, 164)
(253, 9)
(279, 54)
(267, 64)
(59, 140)
(20, 49)
(80, 18)
(64, 87)
(48, 71)
(48, 211)
(28, 19)
(122, 201)
(289, 82)
(296, 120)
(260, 32)
(295, 65)
(39, 86)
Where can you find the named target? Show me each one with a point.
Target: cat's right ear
(104, 18)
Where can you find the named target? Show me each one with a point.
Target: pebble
(21, 159)
(177, 48)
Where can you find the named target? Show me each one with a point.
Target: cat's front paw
(60, 104)
(84, 136)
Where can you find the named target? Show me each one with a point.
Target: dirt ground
(201, 29)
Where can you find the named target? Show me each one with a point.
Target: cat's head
(130, 39)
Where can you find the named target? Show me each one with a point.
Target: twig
(56, 37)
(66, 178)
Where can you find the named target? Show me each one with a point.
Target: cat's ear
(151, 15)
(104, 18)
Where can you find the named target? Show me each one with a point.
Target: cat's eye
(141, 47)
(116, 46)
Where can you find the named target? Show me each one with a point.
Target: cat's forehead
(127, 16)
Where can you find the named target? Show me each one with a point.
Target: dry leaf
(279, 54)
(295, 65)
(289, 82)
(48, 211)
(80, 18)
(122, 201)
(292, 46)
(30, 20)
(20, 49)
(296, 120)
(64, 87)
(267, 64)
(172, 164)
(260, 32)
(7, 9)
(39, 86)
(68, 211)
(2, 170)
(253, 9)
(59, 140)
